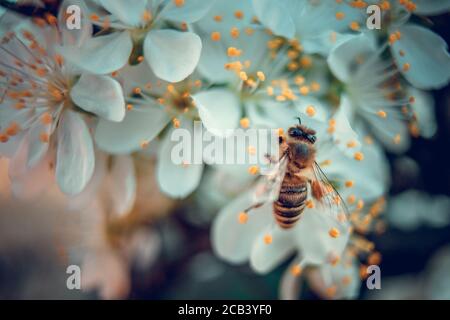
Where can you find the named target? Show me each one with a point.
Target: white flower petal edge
(265, 257)
(176, 180)
(432, 7)
(129, 12)
(100, 95)
(191, 11)
(275, 16)
(233, 241)
(122, 185)
(426, 55)
(172, 55)
(75, 154)
(218, 109)
(100, 55)
(138, 126)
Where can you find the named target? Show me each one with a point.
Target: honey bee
(294, 174)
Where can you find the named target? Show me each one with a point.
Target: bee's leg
(254, 206)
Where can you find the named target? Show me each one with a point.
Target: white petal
(424, 109)
(122, 184)
(426, 53)
(100, 95)
(86, 197)
(219, 110)
(276, 16)
(75, 154)
(190, 11)
(101, 55)
(233, 241)
(290, 285)
(342, 57)
(129, 12)
(265, 257)
(176, 180)
(172, 55)
(137, 127)
(312, 233)
(431, 7)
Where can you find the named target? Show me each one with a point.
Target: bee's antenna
(299, 120)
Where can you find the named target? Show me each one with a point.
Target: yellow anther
(304, 90)
(46, 118)
(309, 204)
(315, 86)
(249, 31)
(176, 123)
(360, 204)
(243, 75)
(269, 90)
(310, 111)
(334, 233)
(280, 98)
(217, 18)
(261, 76)
(331, 291)
(94, 17)
(243, 218)
(4, 138)
(140, 59)
(253, 170)
(129, 106)
(359, 4)
(349, 183)
(268, 239)
(245, 123)
(238, 14)
(137, 90)
(382, 114)
(280, 132)
(340, 15)
(374, 258)
(354, 26)
(325, 163)
(296, 270)
(352, 144)
(299, 80)
(306, 62)
(215, 36)
(359, 156)
(233, 52)
(44, 137)
(406, 67)
(12, 129)
(397, 139)
(147, 16)
(234, 32)
(179, 3)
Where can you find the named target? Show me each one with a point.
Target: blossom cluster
(92, 112)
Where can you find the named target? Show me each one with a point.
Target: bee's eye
(311, 138)
(295, 132)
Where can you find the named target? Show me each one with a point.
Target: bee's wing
(267, 189)
(331, 200)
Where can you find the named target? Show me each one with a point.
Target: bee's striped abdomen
(291, 201)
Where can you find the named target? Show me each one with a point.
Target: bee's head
(302, 133)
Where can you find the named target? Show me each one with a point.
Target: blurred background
(37, 237)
